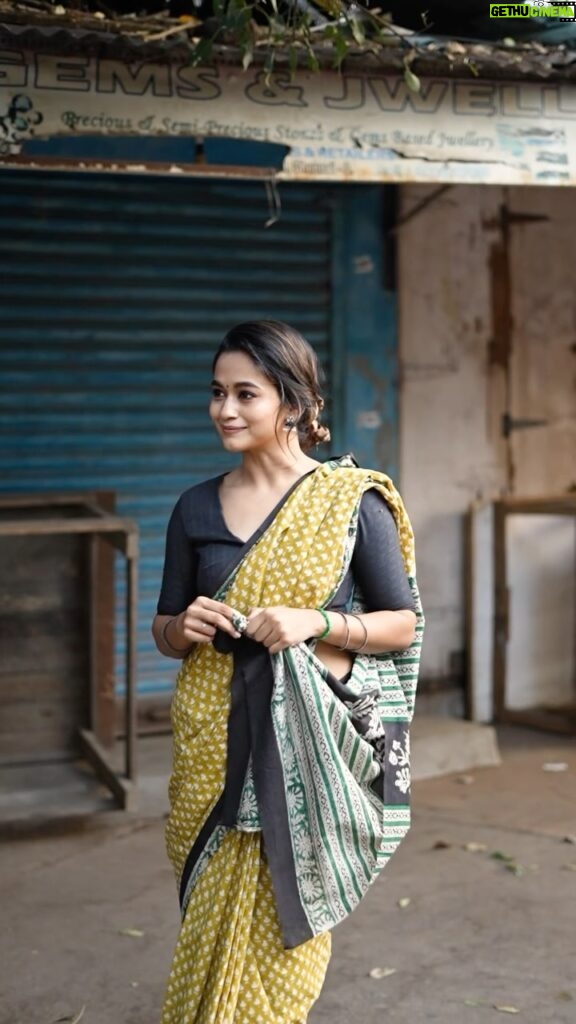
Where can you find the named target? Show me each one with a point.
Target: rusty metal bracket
(509, 424)
(508, 218)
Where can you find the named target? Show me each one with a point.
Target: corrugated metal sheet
(113, 294)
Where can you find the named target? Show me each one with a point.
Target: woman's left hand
(281, 627)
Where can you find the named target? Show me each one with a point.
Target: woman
(289, 595)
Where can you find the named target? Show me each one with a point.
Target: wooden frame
(562, 719)
(120, 534)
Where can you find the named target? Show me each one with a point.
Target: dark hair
(286, 358)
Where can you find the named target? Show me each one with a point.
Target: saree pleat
(229, 965)
(240, 958)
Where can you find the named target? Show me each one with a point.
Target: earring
(289, 421)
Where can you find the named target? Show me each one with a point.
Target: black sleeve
(180, 568)
(377, 564)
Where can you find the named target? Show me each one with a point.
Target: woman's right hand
(198, 623)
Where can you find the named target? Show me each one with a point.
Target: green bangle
(327, 627)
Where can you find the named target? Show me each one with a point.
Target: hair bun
(317, 433)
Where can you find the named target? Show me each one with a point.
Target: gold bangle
(345, 644)
(365, 640)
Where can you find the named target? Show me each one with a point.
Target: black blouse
(199, 546)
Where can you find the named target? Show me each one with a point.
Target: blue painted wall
(367, 332)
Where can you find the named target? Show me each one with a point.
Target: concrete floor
(479, 932)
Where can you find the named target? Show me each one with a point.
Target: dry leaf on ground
(507, 1009)
(474, 847)
(405, 901)
(514, 868)
(134, 933)
(71, 1020)
(509, 862)
(382, 972)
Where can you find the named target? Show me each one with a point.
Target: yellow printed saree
(290, 788)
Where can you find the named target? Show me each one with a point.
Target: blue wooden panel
(159, 149)
(365, 311)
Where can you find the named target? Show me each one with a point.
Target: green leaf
(292, 59)
(332, 7)
(312, 61)
(268, 67)
(340, 50)
(357, 30)
(248, 55)
(202, 52)
(412, 80)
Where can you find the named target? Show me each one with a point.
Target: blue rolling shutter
(114, 291)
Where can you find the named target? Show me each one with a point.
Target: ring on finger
(239, 621)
